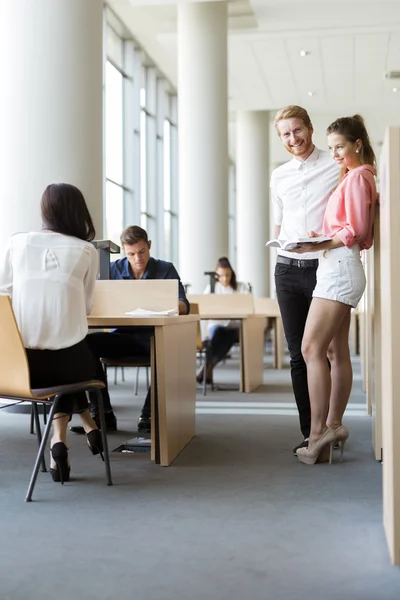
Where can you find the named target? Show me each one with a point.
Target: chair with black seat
(15, 385)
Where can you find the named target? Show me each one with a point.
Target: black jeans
(221, 342)
(294, 288)
(118, 344)
(61, 367)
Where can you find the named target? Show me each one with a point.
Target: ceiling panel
(336, 52)
(370, 52)
(246, 79)
(274, 65)
(307, 71)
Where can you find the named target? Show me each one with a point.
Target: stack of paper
(141, 312)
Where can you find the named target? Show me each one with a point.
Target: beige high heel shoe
(341, 433)
(318, 450)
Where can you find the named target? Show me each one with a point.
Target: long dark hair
(353, 129)
(64, 211)
(223, 263)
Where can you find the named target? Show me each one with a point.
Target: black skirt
(62, 367)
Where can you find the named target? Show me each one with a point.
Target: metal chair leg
(205, 375)
(137, 381)
(32, 427)
(35, 411)
(122, 373)
(40, 453)
(115, 375)
(147, 377)
(104, 437)
(44, 413)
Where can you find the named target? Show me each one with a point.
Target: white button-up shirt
(300, 192)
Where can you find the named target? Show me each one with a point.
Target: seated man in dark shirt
(130, 341)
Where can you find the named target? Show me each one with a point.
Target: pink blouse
(350, 211)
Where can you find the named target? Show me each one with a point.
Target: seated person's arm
(6, 275)
(184, 306)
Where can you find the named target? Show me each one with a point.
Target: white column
(203, 139)
(50, 107)
(252, 193)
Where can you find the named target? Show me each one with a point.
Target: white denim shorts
(340, 275)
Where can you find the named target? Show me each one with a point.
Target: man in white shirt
(300, 190)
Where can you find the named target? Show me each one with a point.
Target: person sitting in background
(50, 276)
(131, 341)
(222, 334)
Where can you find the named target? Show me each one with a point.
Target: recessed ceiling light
(310, 93)
(395, 89)
(304, 53)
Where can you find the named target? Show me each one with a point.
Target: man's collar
(310, 161)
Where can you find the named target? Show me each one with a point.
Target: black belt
(295, 262)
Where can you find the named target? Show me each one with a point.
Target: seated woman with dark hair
(222, 334)
(50, 276)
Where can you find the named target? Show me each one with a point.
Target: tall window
(140, 144)
(171, 249)
(232, 213)
(114, 213)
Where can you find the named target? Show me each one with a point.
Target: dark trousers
(118, 344)
(294, 288)
(221, 342)
(61, 367)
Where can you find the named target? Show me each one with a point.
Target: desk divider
(223, 304)
(115, 298)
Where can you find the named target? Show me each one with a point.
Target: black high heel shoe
(95, 442)
(59, 452)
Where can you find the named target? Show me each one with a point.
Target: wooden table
(173, 379)
(251, 347)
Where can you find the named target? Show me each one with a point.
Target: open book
(290, 244)
(141, 312)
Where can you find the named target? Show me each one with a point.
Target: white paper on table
(142, 312)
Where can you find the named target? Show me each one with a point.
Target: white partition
(390, 347)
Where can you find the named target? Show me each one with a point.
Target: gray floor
(235, 517)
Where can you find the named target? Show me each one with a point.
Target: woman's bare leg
(323, 323)
(60, 424)
(87, 421)
(341, 373)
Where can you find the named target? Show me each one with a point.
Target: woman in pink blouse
(349, 221)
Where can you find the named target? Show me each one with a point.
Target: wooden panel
(268, 307)
(14, 372)
(390, 362)
(220, 305)
(115, 298)
(252, 347)
(125, 321)
(175, 349)
(377, 338)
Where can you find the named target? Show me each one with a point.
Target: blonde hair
(292, 111)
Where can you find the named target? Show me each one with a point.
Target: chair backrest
(223, 304)
(194, 310)
(14, 368)
(267, 307)
(115, 298)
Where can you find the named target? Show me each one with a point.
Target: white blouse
(50, 278)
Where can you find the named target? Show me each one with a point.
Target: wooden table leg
(252, 353)
(174, 385)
